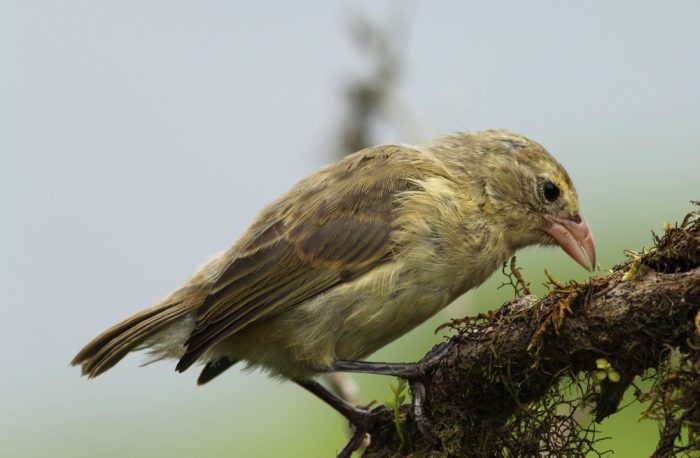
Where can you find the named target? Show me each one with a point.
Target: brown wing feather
(214, 368)
(329, 228)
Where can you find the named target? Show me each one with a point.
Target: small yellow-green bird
(356, 255)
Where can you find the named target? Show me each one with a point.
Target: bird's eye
(550, 191)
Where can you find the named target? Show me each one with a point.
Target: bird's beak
(575, 238)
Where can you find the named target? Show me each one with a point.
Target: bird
(354, 256)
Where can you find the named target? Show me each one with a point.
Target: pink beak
(575, 238)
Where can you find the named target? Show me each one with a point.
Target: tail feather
(112, 345)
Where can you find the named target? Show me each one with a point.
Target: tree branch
(500, 391)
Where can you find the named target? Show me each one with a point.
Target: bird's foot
(417, 374)
(363, 421)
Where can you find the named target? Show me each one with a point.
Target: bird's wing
(330, 228)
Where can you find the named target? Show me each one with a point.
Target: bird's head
(530, 194)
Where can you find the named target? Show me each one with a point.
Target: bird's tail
(113, 344)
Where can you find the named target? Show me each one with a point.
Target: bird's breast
(393, 299)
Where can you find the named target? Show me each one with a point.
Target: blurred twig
(375, 98)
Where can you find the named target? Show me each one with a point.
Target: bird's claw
(417, 377)
(363, 424)
(418, 410)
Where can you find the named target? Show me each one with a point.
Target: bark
(500, 391)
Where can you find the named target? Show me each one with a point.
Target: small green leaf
(614, 376)
(394, 404)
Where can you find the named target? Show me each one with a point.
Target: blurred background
(138, 138)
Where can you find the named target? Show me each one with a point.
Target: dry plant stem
(490, 375)
(519, 276)
(344, 386)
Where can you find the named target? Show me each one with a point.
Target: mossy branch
(520, 377)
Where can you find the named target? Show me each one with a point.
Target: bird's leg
(414, 373)
(362, 419)
(408, 371)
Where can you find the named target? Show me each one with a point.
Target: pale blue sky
(139, 137)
